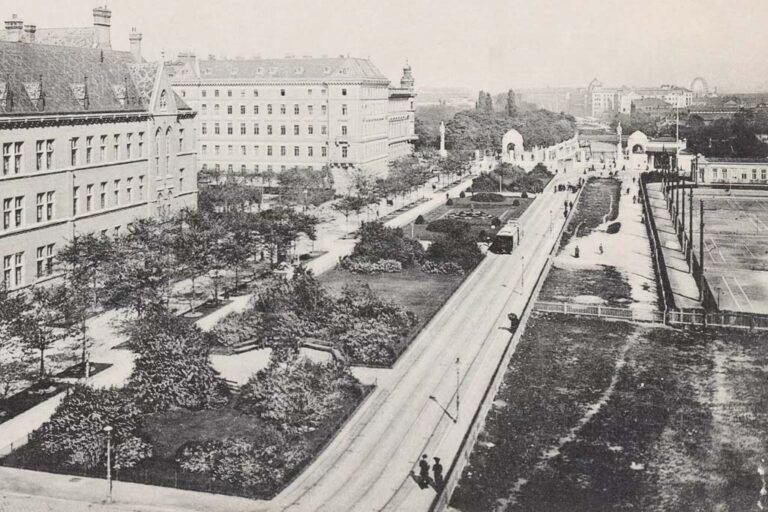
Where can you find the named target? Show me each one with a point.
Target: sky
(475, 44)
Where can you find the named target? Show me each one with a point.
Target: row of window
(283, 92)
(256, 150)
(256, 129)
(13, 266)
(257, 109)
(244, 168)
(744, 174)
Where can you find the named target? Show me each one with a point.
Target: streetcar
(505, 239)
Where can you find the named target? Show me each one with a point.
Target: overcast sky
(489, 44)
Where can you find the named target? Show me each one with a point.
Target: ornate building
(259, 115)
(91, 139)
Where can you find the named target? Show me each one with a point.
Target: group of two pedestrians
(437, 471)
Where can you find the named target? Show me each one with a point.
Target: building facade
(732, 171)
(91, 139)
(261, 115)
(604, 100)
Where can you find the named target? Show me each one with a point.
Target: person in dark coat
(424, 472)
(437, 470)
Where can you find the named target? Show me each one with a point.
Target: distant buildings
(736, 171)
(602, 100)
(262, 115)
(91, 139)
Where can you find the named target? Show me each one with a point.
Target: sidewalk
(684, 289)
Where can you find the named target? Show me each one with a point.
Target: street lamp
(718, 299)
(108, 430)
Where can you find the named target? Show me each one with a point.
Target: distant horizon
(493, 45)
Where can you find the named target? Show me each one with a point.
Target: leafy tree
(74, 436)
(13, 365)
(38, 327)
(455, 247)
(278, 228)
(379, 242)
(511, 107)
(348, 205)
(299, 185)
(172, 366)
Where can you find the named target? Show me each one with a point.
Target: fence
(657, 255)
(628, 314)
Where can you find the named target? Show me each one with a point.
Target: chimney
(13, 29)
(102, 20)
(29, 33)
(135, 39)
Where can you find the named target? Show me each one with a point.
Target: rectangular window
(310, 130)
(204, 129)
(204, 93)
(754, 174)
(204, 109)
(344, 109)
(229, 93)
(216, 150)
(269, 129)
(323, 109)
(40, 157)
(269, 109)
(229, 128)
(49, 154)
(242, 129)
(75, 200)
(243, 150)
(17, 147)
(269, 150)
(204, 149)
(295, 109)
(282, 92)
(343, 92)
(49, 206)
(762, 174)
(282, 109)
(7, 158)
(255, 110)
(116, 193)
(282, 150)
(103, 148)
(88, 197)
(323, 130)
(255, 128)
(88, 150)
(216, 109)
(255, 150)
(40, 207)
(128, 137)
(344, 152)
(295, 150)
(103, 195)
(310, 151)
(216, 93)
(242, 110)
(181, 180)
(216, 129)
(310, 109)
(282, 129)
(73, 151)
(141, 188)
(141, 144)
(18, 210)
(229, 110)
(45, 260)
(343, 129)
(230, 149)
(129, 190)
(116, 147)
(255, 93)
(324, 151)
(7, 213)
(18, 269)
(7, 271)
(295, 129)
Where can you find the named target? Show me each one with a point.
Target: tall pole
(108, 430)
(701, 249)
(457, 389)
(682, 223)
(690, 229)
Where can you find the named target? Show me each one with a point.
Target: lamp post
(457, 389)
(108, 430)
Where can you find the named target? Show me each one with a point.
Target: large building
(732, 171)
(91, 140)
(259, 115)
(602, 100)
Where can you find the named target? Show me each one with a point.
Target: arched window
(168, 135)
(163, 100)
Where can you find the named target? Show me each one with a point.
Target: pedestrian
(634, 199)
(423, 472)
(437, 470)
(576, 252)
(570, 205)
(601, 248)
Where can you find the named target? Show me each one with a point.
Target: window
(45, 260)
(269, 109)
(116, 193)
(49, 205)
(323, 109)
(88, 197)
(216, 93)
(714, 173)
(141, 187)
(282, 150)
(242, 168)
(230, 168)
(243, 150)
(344, 109)
(73, 151)
(762, 174)
(310, 151)
(216, 109)
(242, 110)
(255, 93)
(116, 231)
(75, 200)
(128, 137)
(282, 109)
(216, 150)
(310, 109)
(204, 108)
(344, 152)
(295, 129)
(39, 151)
(103, 195)
(255, 128)
(296, 109)
(103, 148)
(18, 268)
(269, 150)
(229, 109)
(163, 101)
(7, 271)
(181, 180)
(230, 149)
(242, 129)
(310, 130)
(229, 129)
(323, 130)
(181, 140)
(282, 129)
(129, 190)
(255, 110)
(309, 92)
(49, 154)
(141, 144)
(88, 149)
(754, 174)
(324, 151)
(343, 129)
(204, 149)
(18, 210)
(7, 158)
(7, 213)
(255, 150)
(204, 93)
(204, 129)
(229, 93)
(343, 92)
(295, 150)
(269, 129)
(282, 92)
(216, 129)
(40, 206)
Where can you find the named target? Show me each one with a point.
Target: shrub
(379, 242)
(370, 343)
(516, 202)
(613, 228)
(524, 195)
(447, 267)
(496, 222)
(456, 248)
(449, 202)
(238, 328)
(446, 225)
(488, 197)
(420, 220)
(462, 195)
(482, 236)
(367, 267)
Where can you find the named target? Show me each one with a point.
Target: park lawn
(569, 285)
(423, 294)
(597, 415)
(505, 211)
(597, 203)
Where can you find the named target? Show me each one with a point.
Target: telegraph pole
(701, 249)
(457, 389)
(690, 229)
(682, 223)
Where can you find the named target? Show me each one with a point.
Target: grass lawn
(416, 291)
(505, 211)
(598, 202)
(596, 415)
(568, 285)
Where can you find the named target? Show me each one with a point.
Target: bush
(524, 195)
(516, 202)
(488, 197)
(367, 267)
(613, 228)
(447, 267)
(456, 248)
(448, 226)
(420, 220)
(449, 202)
(237, 329)
(496, 222)
(379, 242)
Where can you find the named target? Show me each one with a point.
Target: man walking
(437, 470)
(423, 472)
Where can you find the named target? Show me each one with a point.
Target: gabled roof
(340, 68)
(83, 37)
(62, 71)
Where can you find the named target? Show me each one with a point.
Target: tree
(13, 364)
(457, 248)
(278, 228)
(38, 325)
(511, 108)
(379, 242)
(172, 366)
(349, 204)
(74, 436)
